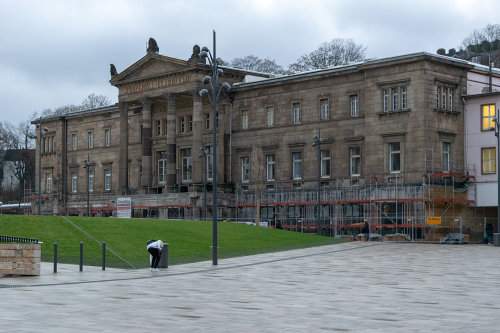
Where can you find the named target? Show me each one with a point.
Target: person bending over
(154, 247)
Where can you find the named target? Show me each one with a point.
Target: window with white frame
(189, 124)
(325, 164)
(395, 99)
(74, 141)
(297, 165)
(446, 159)
(107, 179)
(74, 183)
(107, 137)
(354, 102)
(488, 113)
(48, 181)
(324, 109)
(296, 117)
(270, 116)
(162, 169)
(90, 139)
(90, 180)
(270, 167)
(394, 157)
(245, 169)
(488, 160)
(244, 119)
(187, 165)
(354, 161)
(445, 97)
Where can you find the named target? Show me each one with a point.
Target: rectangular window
(90, 180)
(450, 99)
(296, 113)
(443, 98)
(386, 99)
(74, 141)
(158, 127)
(74, 183)
(187, 165)
(48, 182)
(270, 116)
(488, 160)
(395, 99)
(325, 164)
(162, 169)
(438, 97)
(270, 167)
(354, 101)
(324, 109)
(244, 119)
(90, 139)
(394, 157)
(488, 113)
(182, 125)
(107, 137)
(163, 127)
(107, 179)
(189, 124)
(404, 99)
(355, 161)
(207, 121)
(208, 162)
(245, 169)
(446, 159)
(297, 165)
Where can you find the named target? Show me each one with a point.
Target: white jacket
(155, 245)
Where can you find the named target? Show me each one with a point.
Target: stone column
(123, 164)
(147, 146)
(171, 147)
(196, 154)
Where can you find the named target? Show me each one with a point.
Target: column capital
(146, 101)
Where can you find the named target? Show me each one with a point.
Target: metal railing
(14, 239)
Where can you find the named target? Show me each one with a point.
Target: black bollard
(103, 256)
(81, 256)
(164, 257)
(55, 257)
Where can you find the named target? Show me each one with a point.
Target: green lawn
(188, 241)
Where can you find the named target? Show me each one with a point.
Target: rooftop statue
(152, 46)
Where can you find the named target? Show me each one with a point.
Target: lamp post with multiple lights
(213, 90)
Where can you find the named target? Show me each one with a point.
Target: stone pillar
(171, 147)
(147, 146)
(123, 165)
(196, 154)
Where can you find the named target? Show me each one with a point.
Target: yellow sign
(434, 220)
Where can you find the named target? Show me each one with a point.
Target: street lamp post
(317, 144)
(213, 90)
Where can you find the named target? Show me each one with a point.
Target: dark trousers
(156, 257)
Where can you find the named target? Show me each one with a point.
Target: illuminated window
(488, 160)
(487, 117)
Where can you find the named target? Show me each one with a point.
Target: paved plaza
(351, 287)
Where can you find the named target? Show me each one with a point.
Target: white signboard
(124, 208)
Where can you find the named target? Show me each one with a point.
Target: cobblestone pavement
(354, 287)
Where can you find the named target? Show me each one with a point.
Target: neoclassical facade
(380, 121)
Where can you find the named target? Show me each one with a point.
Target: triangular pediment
(150, 65)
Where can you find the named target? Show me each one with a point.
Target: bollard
(81, 256)
(55, 257)
(103, 256)
(164, 257)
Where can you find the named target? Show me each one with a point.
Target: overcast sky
(54, 53)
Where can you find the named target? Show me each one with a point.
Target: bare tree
(254, 63)
(483, 40)
(93, 101)
(333, 53)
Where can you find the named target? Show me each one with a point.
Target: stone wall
(20, 259)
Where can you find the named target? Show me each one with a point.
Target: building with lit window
(395, 121)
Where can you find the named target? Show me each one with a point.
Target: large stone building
(391, 121)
